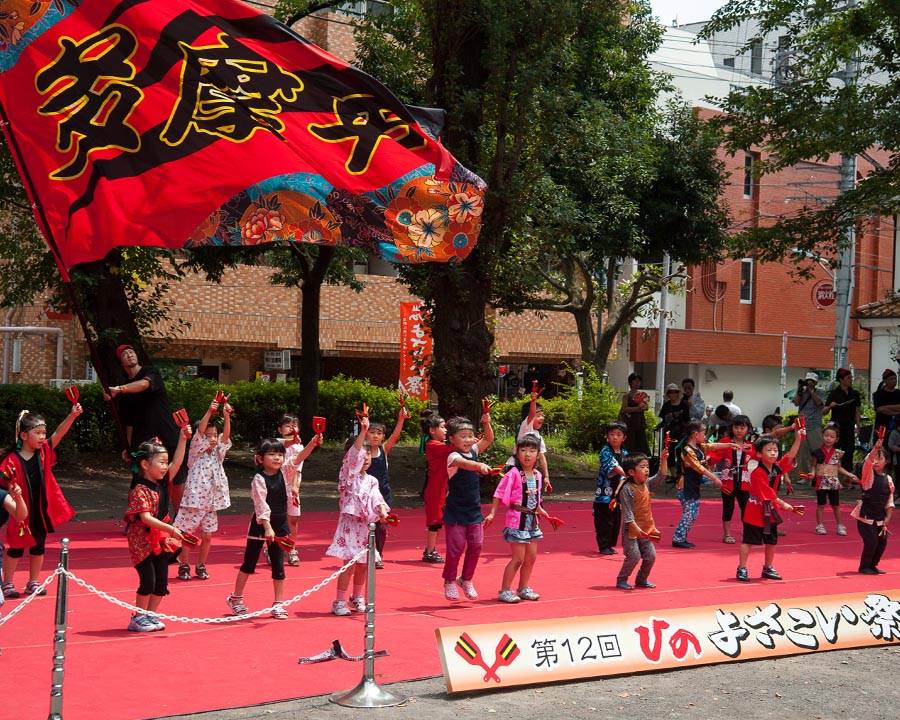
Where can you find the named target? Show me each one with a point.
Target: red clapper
(534, 388)
(506, 652)
(181, 418)
(486, 405)
(881, 432)
(801, 422)
(798, 509)
(393, 519)
(318, 424)
(72, 394)
(471, 653)
(190, 539)
(555, 523)
(401, 396)
(364, 413)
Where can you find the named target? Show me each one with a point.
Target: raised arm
(204, 421)
(178, 458)
(395, 435)
(488, 437)
(226, 423)
(64, 426)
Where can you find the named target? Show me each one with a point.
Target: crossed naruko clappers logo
(504, 654)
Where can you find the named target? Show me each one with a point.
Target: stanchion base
(368, 694)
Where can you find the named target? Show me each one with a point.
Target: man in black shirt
(845, 403)
(886, 400)
(144, 408)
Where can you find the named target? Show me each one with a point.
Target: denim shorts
(513, 535)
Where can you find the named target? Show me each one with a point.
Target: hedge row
(572, 422)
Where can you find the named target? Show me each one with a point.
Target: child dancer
(873, 512)
(693, 456)
(638, 527)
(607, 516)
(205, 489)
(12, 504)
(294, 455)
(734, 465)
(462, 515)
(151, 539)
(32, 459)
(270, 490)
(827, 469)
(361, 504)
(379, 469)
(532, 422)
(760, 522)
(436, 450)
(520, 491)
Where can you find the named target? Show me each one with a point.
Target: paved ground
(847, 684)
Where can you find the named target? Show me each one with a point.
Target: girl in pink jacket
(520, 491)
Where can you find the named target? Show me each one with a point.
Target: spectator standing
(674, 415)
(845, 404)
(810, 402)
(635, 403)
(693, 398)
(728, 401)
(886, 400)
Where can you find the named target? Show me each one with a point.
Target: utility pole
(786, 74)
(663, 328)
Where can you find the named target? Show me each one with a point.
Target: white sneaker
(339, 607)
(450, 591)
(820, 530)
(507, 596)
(841, 530)
(357, 604)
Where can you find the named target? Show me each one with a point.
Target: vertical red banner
(415, 350)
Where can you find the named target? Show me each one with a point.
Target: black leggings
(251, 558)
(153, 575)
(37, 549)
(728, 503)
(874, 544)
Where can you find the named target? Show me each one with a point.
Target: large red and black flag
(182, 123)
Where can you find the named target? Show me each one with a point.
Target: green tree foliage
(815, 113)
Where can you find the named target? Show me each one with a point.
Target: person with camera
(810, 402)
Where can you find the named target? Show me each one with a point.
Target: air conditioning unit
(277, 360)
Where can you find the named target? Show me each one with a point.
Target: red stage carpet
(112, 673)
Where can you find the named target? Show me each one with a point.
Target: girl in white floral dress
(361, 504)
(206, 488)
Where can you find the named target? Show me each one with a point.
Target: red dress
(436, 453)
(57, 510)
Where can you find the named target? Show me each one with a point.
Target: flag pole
(44, 227)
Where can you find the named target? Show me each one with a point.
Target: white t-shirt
(525, 428)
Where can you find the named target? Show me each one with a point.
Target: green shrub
(586, 419)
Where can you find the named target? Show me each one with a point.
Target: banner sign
(482, 657)
(184, 123)
(415, 350)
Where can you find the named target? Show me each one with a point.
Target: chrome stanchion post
(368, 693)
(59, 635)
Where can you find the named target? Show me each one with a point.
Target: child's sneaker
(770, 573)
(293, 558)
(278, 612)
(33, 587)
(236, 603)
(141, 623)
(357, 603)
(468, 589)
(155, 622)
(820, 530)
(9, 591)
(339, 607)
(526, 593)
(507, 596)
(201, 572)
(450, 591)
(841, 529)
(184, 571)
(742, 574)
(432, 557)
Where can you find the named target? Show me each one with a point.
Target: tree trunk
(460, 371)
(311, 357)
